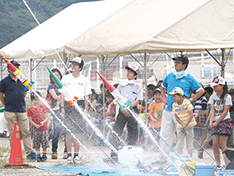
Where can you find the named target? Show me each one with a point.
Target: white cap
(77, 59)
(217, 80)
(176, 90)
(134, 68)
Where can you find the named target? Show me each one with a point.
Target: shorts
(224, 127)
(40, 138)
(73, 118)
(208, 136)
(181, 136)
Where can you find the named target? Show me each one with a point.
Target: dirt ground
(95, 158)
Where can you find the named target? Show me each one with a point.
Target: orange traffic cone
(16, 158)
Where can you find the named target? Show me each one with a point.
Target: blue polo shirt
(14, 94)
(186, 83)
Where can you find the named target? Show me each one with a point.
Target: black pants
(57, 130)
(120, 123)
(73, 118)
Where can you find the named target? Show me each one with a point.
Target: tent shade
(160, 25)
(60, 29)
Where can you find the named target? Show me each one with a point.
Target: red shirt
(38, 115)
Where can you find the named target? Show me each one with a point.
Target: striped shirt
(182, 111)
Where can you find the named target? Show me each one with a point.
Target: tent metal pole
(1, 68)
(136, 60)
(213, 57)
(145, 70)
(103, 87)
(222, 62)
(233, 65)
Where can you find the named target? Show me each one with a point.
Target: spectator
(231, 110)
(38, 115)
(179, 78)
(155, 113)
(100, 97)
(220, 121)
(12, 95)
(56, 125)
(109, 115)
(183, 110)
(208, 93)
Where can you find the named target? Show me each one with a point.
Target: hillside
(16, 20)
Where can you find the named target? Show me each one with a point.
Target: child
(208, 93)
(38, 115)
(155, 113)
(109, 115)
(132, 91)
(220, 121)
(183, 110)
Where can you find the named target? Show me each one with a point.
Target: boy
(79, 86)
(155, 113)
(208, 93)
(183, 110)
(38, 115)
(132, 91)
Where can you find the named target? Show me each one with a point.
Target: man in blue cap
(12, 96)
(179, 78)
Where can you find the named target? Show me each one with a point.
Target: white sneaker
(77, 160)
(69, 160)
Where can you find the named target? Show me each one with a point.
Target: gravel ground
(94, 159)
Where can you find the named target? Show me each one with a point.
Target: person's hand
(185, 128)
(62, 113)
(42, 123)
(126, 113)
(85, 112)
(215, 124)
(37, 126)
(154, 120)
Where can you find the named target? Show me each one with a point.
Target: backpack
(49, 98)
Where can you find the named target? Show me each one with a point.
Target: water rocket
(124, 104)
(27, 84)
(63, 89)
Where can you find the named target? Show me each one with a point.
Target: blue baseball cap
(14, 62)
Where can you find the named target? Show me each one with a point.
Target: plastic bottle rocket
(27, 84)
(63, 88)
(124, 104)
(2, 109)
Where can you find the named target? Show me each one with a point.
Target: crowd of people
(172, 114)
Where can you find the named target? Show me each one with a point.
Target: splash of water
(96, 130)
(141, 123)
(47, 105)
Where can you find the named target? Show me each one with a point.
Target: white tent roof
(160, 25)
(60, 29)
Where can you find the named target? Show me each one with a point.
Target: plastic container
(129, 155)
(207, 170)
(186, 168)
(176, 158)
(224, 173)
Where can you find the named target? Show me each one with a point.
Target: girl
(220, 122)
(53, 90)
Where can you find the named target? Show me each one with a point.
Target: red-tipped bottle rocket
(63, 89)
(27, 84)
(122, 101)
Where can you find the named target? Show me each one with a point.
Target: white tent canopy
(60, 29)
(160, 25)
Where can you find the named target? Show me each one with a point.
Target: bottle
(2, 109)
